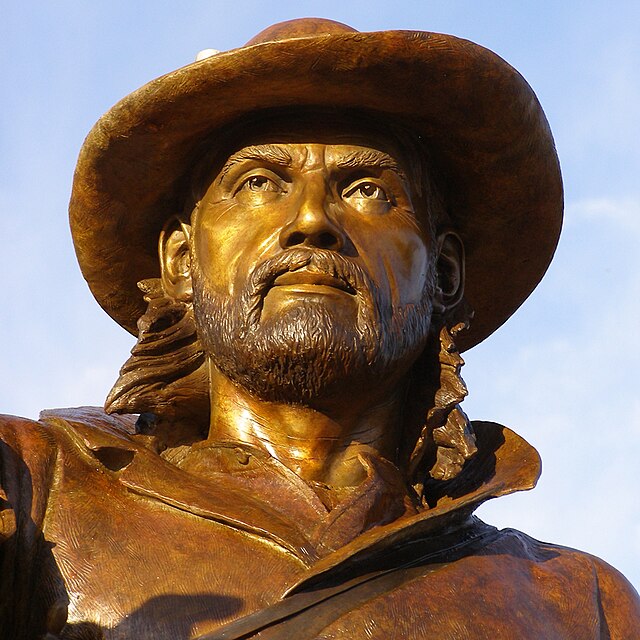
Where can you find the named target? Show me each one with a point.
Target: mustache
(325, 262)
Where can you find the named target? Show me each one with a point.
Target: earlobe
(175, 260)
(449, 273)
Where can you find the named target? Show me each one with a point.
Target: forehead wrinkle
(269, 153)
(364, 158)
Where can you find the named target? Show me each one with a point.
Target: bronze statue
(304, 234)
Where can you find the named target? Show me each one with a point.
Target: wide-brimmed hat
(482, 123)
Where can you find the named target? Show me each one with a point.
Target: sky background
(563, 372)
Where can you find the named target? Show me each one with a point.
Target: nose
(311, 225)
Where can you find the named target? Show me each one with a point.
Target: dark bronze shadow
(26, 559)
(33, 596)
(169, 616)
(476, 471)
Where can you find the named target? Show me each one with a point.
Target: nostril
(327, 240)
(295, 238)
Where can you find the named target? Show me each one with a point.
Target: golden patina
(304, 234)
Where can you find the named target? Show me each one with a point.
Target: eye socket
(259, 183)
(367, 190)
(367, 196)
(258, 188)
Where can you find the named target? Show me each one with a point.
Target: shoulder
(33, 440)
(28, 436)
(29, 449)
(620, 602)
(32, 450)
(27, 461)
(23, 435)
(27, 453)
(581, 576)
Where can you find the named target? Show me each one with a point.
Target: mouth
(309, 280)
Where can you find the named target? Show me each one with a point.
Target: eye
(370, 191)
(257, 189)
(367, 196)
(259, 183)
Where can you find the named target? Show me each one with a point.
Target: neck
(320, 445)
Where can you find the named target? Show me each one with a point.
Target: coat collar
(340, 539)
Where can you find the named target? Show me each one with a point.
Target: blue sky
(563, 372)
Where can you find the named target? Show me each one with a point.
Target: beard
(308, 352)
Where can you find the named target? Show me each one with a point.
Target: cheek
(398, 260)
(228, 243)
(411, 265)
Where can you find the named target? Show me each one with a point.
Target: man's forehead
(276, 130)
(315, 155)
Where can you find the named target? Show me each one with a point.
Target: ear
(175, 260)
(450, 273)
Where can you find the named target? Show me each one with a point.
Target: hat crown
(300, 28)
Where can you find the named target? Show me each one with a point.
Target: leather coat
(103, 538)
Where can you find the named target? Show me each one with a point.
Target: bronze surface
(300, 466)
(481, 121)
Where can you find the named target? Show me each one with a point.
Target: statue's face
(311, 266)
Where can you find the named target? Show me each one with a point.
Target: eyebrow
(269, 153)
(370, 158)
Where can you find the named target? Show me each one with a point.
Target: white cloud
(622, 212)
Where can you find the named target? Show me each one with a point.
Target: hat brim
(483, 125)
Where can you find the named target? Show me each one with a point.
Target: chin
(309, 352)
(305, 354)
